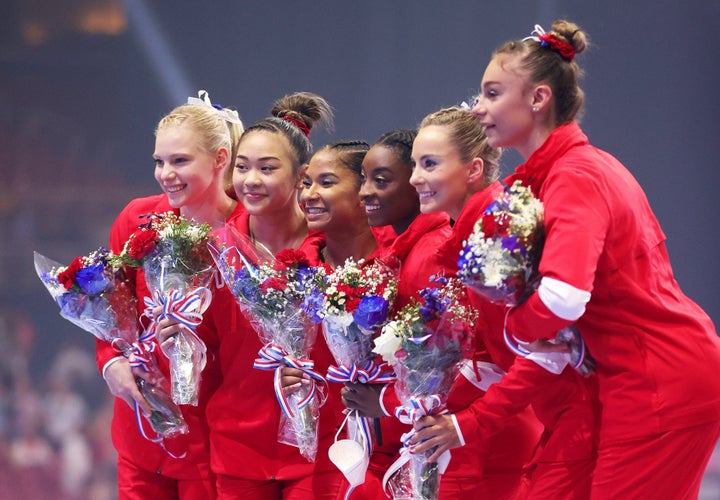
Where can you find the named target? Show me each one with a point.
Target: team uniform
(145, 469)
(557, 463)
(244, 416)
(493, 472)
(413, 249)
(605, 267)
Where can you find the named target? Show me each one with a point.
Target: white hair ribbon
(203, 99)
(535, 34)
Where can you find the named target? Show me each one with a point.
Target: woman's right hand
(292, 380)
(365, 398)
(167, 329)
(121, 382)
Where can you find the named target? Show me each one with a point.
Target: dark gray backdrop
(78, 103)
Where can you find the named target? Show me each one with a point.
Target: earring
(535, 109)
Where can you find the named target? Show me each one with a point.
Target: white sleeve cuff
(111, 361)
(564, 300)
(382, 406)
(457, 429)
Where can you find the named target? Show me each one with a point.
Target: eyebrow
(381, 169)
(264, 158)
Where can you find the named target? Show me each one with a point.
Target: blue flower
(312, 304)
(92, 279)
(371, 312)
(244, 284)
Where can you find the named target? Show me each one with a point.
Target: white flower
(389, 341)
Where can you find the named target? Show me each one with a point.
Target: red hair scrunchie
(298, 123)
(565, 49)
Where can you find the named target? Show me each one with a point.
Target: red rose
(67, 277)
(488, 225)
(142, 243)
(289, 258)
(273, 283)
(502, 223)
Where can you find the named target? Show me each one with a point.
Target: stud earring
(535, 109)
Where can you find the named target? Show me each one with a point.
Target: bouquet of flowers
(271, 292)
(425, 344)
(354, 303)
(500, 262)
(178, 268)
(94, 294)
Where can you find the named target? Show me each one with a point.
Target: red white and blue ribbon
(139, 355)
(187, 309)
(416, 408)
(274, 357)
(370, 372)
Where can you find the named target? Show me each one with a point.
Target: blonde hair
(212, 130)
(468, 137)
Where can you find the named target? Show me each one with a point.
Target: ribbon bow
(370, 372)
(274, 357)
(186, 309)
(418, 407)
(550, 40)
(203, 99)
(138, 353)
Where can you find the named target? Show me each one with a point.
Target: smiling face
(329, 197)
(505, 106)
(439, 176)
(185, 171)
(386, 192)
(264, 178)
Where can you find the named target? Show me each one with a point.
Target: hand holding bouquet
(425, 344)
(178, 268)
(353, 304)
(500, 262)
(94, 294)
(271, 291)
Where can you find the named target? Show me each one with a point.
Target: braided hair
(400, 141)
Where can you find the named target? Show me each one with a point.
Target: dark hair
(545, 64)
(401, 141)
(305, 107)
(351, 154)
(468, 137)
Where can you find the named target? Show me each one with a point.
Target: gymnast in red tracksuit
(605, 268)
(193, 150)
(244, 413)
(389, 198)
(456, 171)
(331, 204)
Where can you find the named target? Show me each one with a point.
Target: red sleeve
(390, 400)
(577, 218)
(125, 224)
(488, 414)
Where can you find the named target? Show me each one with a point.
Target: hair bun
(304, 108)
(571, 33)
